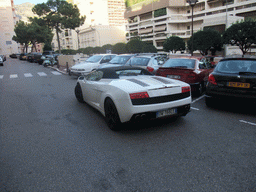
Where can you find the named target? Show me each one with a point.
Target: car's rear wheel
(79, 93)
(112, 116)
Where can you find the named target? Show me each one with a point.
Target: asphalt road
(50, 142)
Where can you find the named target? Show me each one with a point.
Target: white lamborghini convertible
(129, 93)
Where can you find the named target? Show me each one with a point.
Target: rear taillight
(185, 89)
(150, 69)
(212, 80)
(139, 95)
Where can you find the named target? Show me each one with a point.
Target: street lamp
(192, 3)
(77, 31)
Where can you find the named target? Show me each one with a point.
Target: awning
(161, 28)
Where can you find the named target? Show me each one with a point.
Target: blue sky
(17, 2)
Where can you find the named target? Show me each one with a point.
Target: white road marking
(247, 122)
(13, 76)
(194, 108)
(56, 73)
(1, 76)
(28, 75)
(42, 74)
(199, 98)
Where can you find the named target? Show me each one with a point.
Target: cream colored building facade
(104, 24)
(8, 20)
(217, 14)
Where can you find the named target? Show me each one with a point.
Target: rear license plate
(173, 76)
(166, 112)
(239, 85)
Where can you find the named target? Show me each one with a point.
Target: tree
(59, 14)
(148, 48)
(242, 34)
(119, 48)
(206, 40)
(22, 36)
(174, 44)
(106, 47)
(134, 46)
(39, 32)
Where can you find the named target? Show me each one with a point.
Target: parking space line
(247, 122)
(28, 75)
(13, 76)
(42, 74)
(195, 108)
(199, 98)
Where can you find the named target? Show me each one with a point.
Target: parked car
(3, 57)
(118, 60)
(42, 58)
(23, 56)
(90, 64)
(189, 70)
(128, 93)
(33, 56)
(151, 62)
(233, 78)
(1, 61)
(14, 55)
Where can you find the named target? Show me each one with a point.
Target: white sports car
(129, 93)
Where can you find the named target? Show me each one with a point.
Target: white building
(174, 18)
(8, 20)
(104, 24)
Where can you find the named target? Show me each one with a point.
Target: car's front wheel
(112, 116)
(79, 93)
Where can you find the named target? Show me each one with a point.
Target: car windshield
(236, 66)
(140, 61)
(94, 58)
(120, 59)
(180, 63)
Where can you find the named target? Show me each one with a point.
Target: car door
(91, 88)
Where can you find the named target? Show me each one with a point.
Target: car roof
(230, 57)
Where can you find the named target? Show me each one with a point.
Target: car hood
(109, 65)
(84, 66)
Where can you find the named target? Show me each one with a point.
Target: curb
(56, 69)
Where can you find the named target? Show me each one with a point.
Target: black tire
(209, 102)
(112, 116)
(79, 93)
(200, 89)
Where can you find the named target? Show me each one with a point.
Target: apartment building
(154, 21)
(8, 20)
(104, 24)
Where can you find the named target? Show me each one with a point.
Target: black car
(34, 57)
(14, 55)
(234, 78)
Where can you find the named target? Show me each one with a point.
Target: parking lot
(50, 142)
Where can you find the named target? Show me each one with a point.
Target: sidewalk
(61, 69)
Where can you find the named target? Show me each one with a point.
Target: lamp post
(192, 3)
(77, 31)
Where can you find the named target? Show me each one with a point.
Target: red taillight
(140, 95)
(185, 89)
(150, 69)
(212, 80)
